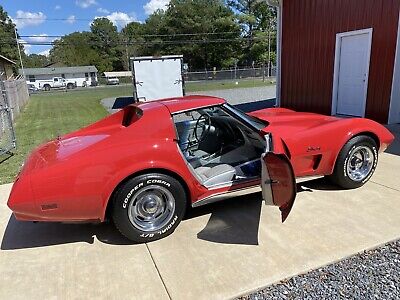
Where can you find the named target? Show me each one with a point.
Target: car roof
(185, 103)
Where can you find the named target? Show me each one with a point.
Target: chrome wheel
(151, 208)
(360, 163)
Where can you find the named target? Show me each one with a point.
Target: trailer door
(158, 78)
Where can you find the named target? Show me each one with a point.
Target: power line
(146, 35)
(140, 42)
(67, 19)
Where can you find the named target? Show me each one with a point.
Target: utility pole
(127, 55)
(19, 51)
(269, 49)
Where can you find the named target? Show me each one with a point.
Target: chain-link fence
(245, 76)
(13, 96)
(259, 72)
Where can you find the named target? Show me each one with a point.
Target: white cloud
(39, 37)
(57, 7)
(85, 3)
(120, 19)
(71, 19)
(45, 52)
(26, 18)
(153, 5)
(103, 10)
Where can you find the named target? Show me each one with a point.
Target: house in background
(340, 57)
(80, 76)
(6, 68)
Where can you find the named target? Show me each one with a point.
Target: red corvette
(143, 166)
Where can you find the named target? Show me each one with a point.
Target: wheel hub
(151, 208)
(360, 163)
(150, 205)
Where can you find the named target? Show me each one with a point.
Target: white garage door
(352, 68)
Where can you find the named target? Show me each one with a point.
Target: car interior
(218, 147)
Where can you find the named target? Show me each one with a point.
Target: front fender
(356, 127)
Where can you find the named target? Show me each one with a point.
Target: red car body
(73, 177)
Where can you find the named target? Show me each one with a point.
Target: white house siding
(76, 77)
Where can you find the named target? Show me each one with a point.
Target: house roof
(55, 71)
(7, 59)
(118, 74)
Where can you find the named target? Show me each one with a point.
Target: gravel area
(255, 95)
(373, 274)
(244, 95)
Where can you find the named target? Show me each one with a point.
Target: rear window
(131, 115)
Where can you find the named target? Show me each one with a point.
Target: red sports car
(143, 166)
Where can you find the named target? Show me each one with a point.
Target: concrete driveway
(220, 251)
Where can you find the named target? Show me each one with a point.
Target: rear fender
(172, 167)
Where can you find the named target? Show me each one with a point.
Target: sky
(36, 17)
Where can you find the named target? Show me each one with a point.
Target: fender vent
(317, 160)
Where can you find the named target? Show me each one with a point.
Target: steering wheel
(206, 126)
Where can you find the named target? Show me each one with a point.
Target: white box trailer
(157, 77)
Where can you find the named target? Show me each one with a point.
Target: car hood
(291, 121)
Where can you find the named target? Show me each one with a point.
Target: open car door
(278, 182)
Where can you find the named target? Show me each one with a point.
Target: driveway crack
(394, 189)
(158, 272)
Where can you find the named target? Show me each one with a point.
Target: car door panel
(278, 182)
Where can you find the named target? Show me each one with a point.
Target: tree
(36, 61)
(131, 36)
(152, 30)
(107, 42)
(76, 49)
(8, 44)
(258, 21)
(182, 27)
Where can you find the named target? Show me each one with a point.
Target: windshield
(253, 121)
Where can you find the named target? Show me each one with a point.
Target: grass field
(223, 85)
(48, 115)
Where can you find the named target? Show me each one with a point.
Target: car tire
(70, 86)
(356, 163)
(149, 207)
(47, 87)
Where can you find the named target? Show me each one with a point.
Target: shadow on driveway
(233, 221)
(121, 102)
(21, 235)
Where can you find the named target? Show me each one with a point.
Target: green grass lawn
(224, 85)
(48, 115)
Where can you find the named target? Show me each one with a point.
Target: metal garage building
(340, 57)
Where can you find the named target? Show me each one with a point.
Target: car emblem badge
(312, 149)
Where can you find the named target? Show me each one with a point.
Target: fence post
(263, 71)
(6, 108)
